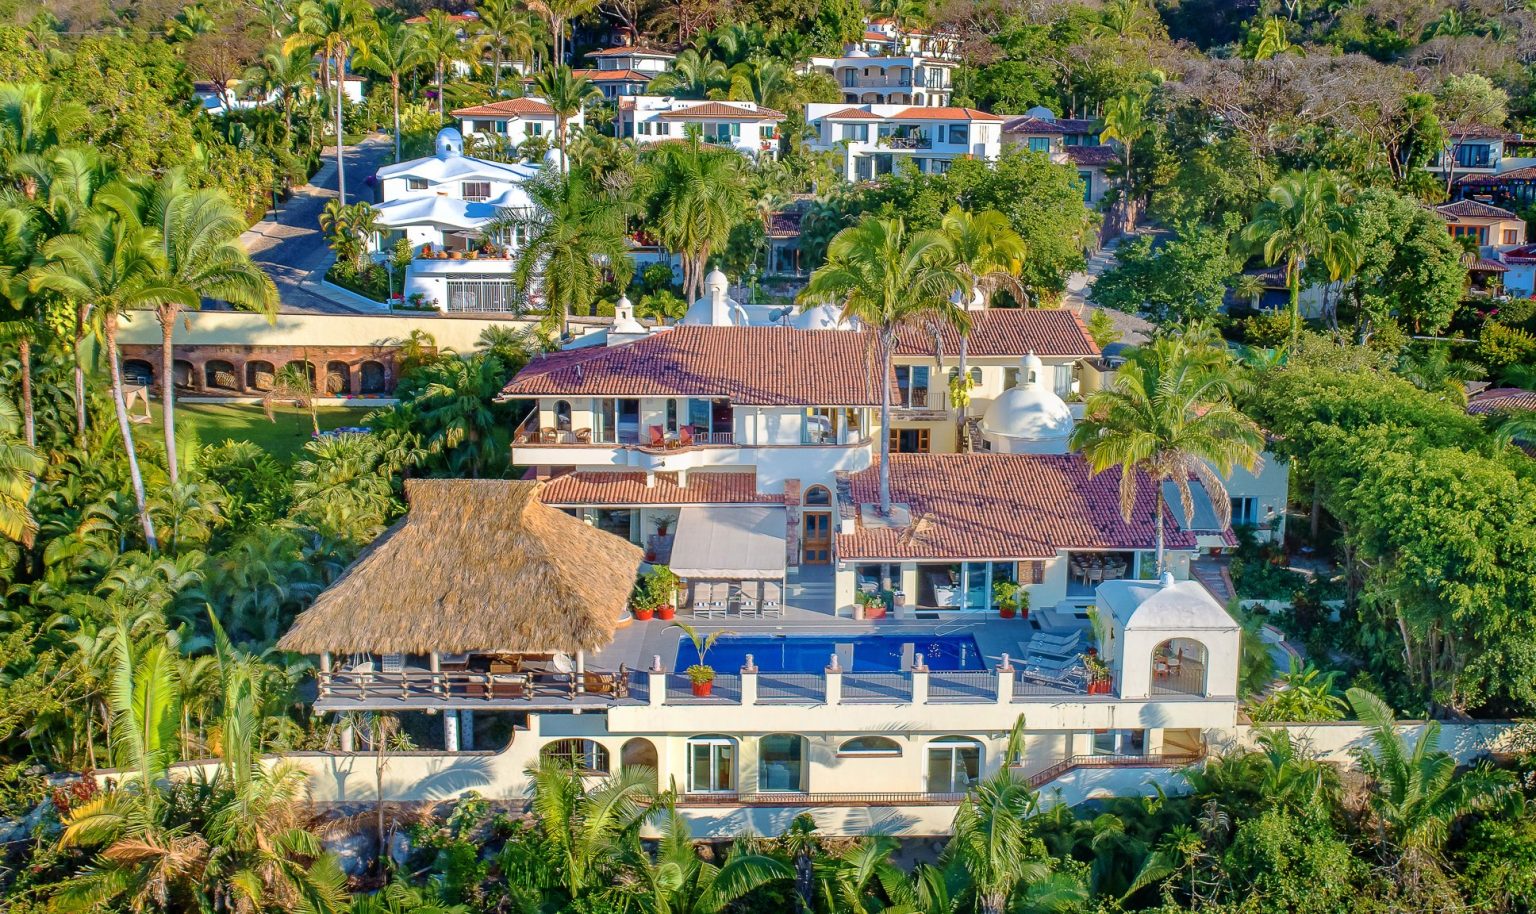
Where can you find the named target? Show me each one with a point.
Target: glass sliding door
(954, 764)
(711, 764)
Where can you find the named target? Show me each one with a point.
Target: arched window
(870, 747)
(371, 376)
(781, 763)
(1178, 667)
(138, 371)
(220, 375)
(338, 378)
(563, 415)
(585, 755)
(954, 764)
(711, 764)
(259, 374)
(818, 495)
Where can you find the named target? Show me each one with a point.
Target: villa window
(954, 764)
(643, 128)
(1474, 155)
(535, 128)
(484, 294)
(1511, 236)
(671, 420)
(818, 496)
(858, 133)
(618, 521)
(959, 134)
(1087, 178)
(1040, 144)
(585, 755)
(415, 183)
(1010, 378)
(711, 764)
(819, 426)
(477, 190)
(909, 440)
(1245, 511)
(870, 747)
(912, 386)
(961, 586)
(780, 763)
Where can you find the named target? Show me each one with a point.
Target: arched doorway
(640, 753)
(562, 415)
(220, 375)
(371, 378)
(259, 374)
(816, 527)
(1178, 667)
(338, 379)
(139, 371)
(585, 755)
(183, 374)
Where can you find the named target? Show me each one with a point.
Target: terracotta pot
(874, 611)
(702, 689)
(1005, 612)
(666, 613)
(1099, 686)
(644, 615)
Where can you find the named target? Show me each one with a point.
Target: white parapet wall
(239, 328)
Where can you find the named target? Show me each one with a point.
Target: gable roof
(511, 107)
(1526, 253)
(943, 114)
(1001, 506)
(1472, 209)
(1061, 125)
(720, 110)
(635, 51)
(1528, 173)
(851, 114)
(1008, 332)
(1501, 399)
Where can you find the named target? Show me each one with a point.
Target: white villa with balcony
(907, 79)
(511, 121)
(1068, 141)
(442, 205)
(875, 138)
(747, 127)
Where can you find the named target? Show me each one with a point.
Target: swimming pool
(811, 653)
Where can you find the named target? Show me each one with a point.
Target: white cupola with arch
(1167, 638)
(716, 308)
(1029, 418)
(450, 143)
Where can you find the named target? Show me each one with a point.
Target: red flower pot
(1005, 613)
(644, 615)
(666, 613)
(702, 689)
(1099, 686)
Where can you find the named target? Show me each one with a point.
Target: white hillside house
(876, 138)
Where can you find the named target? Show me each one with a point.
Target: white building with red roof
(509, 122)
(874, 138)
(747, 127)
(880, 79)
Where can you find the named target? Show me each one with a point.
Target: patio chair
(548, 435)
(773, 599)
(658, 437)
(1055, 653)
(612, 684)
(685, 436)
(1055, 642)
(749, 600)
(583, 436)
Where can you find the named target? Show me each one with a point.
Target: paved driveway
(289, 246)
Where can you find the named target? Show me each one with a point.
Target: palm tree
(1295, 222)
(1416, 794)
(559, 13)
(582, 828)
(1125, 121)
(442, 46)
(34, 119)
(702, 195)
(574, 234)
(861, 879)
(113, 262)
(332, 28)
(693, 75)
(18, 249)
(20, 466)
(679, 882)
(456, 407)
(507, 30)
(392, 51)
(887, 279)
(287, 74)
(762, 79)
(296, 382)
(1169, 415)
(566, 93)
(989, 255)
(201, 257)
(1133, 19)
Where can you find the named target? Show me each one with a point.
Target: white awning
(730, 543)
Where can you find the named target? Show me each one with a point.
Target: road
(289, 246)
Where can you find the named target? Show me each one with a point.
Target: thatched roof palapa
(476, 565)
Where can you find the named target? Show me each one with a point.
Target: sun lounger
(773, 599)
(749, 601)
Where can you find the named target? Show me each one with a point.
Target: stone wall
(232, 370)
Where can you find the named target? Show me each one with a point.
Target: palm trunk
(886, 346)
(1158, 495)
(395, 89)
(964, 377)
(110, 326)
(496, 76)
(28, 422)
(167, 315)
(82, 315)
(439, 90)
(341, 177)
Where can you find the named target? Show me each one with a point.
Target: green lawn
(213, 423)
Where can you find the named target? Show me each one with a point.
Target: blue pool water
(811, 653)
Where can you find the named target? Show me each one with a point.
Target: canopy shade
(737, 543)
(476, 565)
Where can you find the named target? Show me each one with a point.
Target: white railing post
(1005, 681)
(834, 676)
(658, 687)
(749, 683)
(919, 682)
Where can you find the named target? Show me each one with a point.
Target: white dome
(554, 159)
(1029, 418)
(449, 143)
(1041, 112)
(716, 280)
(821, 317)
(857, 52)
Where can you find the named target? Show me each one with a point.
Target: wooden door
(816, 538)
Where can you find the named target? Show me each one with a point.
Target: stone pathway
(1133, 330)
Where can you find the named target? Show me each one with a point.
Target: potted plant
(662, 584)
(663, 523)
(1098, 673)
(701, 676)
(642, 600)
(1010, 599)
(871, 605)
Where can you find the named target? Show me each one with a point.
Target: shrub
(1268, 329)
(1501, 346)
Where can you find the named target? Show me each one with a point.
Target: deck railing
(1151, 760)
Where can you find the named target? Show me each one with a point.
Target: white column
(348, 738)
(581, 664)
(467, 728)
(834, 685)
(1005, 681)
(658, 688)
(749, 683)
(451, 731)
(919, 686)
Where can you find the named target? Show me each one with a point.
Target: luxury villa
(872, 663)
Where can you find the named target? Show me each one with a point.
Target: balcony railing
(1152, 760)
(922, 141)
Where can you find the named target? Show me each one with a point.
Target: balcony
(917, 141)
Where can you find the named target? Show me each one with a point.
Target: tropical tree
(332, 28)
(443, 43)
(702, 193)
(287, 74)
(992, 839)
(1296, 221)
(989, 256)
(200, 256)
(34, 119)
(888, 280)
(693, 75)
(574, 234)
(1416, 795)
(1304, 694)
(762, 79)
(20, 466)
(1126, 121)
(17, 252)
(506, 31)
(1169, 415)
(456, 413)
(862, 879)
(392, 51)
(678, 881)
(294, 382)
(583, 828)
(567, 94)
(559, 13)
(113, 262)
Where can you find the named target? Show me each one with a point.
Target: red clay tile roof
(599, 488)
(1528, 173)
(751, 366)
(785, 223)
(1092, 156)
(1472, 209)
(630, 51)
(511, 107)
(1484, 265)
(851, 114)
(1002, 506)
(1038, 125)
(943, 114)
(1479, 132)
(719, 110)
(1009, 331)
(1500, 399)
(599, 76)
(1526, 253)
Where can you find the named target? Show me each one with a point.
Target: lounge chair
(749, 601)
(614, 684)
(507, 685)
(583, 436)
(548, 436)
(773, 599)
(658, 437)
(685, 436)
